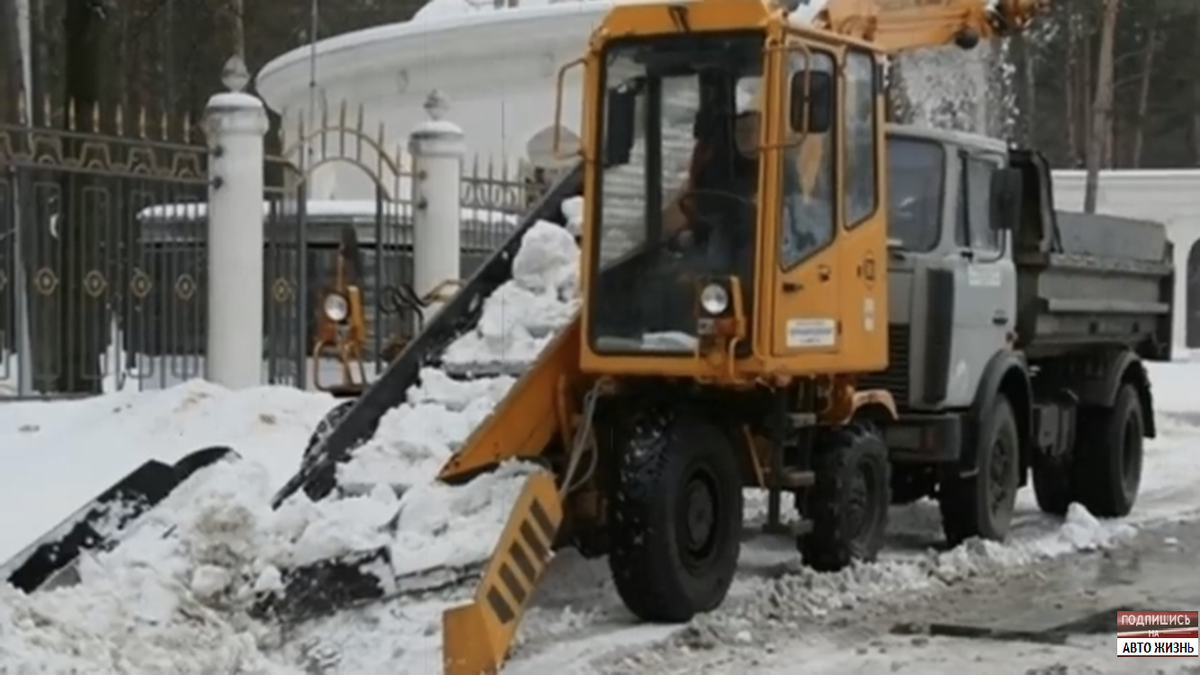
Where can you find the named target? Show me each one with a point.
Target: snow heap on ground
(58, 454)
(172, 598)
(800, 593)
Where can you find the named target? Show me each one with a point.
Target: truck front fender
(1006, 373)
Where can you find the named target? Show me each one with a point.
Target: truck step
(794, 479)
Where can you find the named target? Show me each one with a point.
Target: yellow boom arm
(897, 25)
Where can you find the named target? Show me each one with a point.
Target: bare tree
(14, 74)
(1102, 107)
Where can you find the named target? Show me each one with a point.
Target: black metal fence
(103, 273)
(80, 298)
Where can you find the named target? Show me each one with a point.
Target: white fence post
(235, 123)
(437, 146)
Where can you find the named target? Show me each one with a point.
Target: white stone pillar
(1183, 246)
(437, 147)
(235, 123)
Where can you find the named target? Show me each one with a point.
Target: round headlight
(336, 308)
(714, 299)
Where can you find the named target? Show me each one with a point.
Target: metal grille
(896, 378)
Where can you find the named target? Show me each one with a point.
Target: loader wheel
(982, 505)
(676, 518)
(1108, 460)
(848, 504)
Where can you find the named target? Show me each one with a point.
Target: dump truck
(752, 316)
(1017, 336)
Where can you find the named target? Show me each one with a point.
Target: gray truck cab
(1014, 331)
(952, 278)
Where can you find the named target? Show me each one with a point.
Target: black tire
(1109, 453)
(676, 518)
(982, 505)
(1053, 485)
(848, 503)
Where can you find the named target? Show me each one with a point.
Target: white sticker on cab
(811, 333)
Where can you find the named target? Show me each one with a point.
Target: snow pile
(172, 598)
(434, 524)
(572, 210)
(154, 604)
(523, 315)
(802, 593)
(59, 454)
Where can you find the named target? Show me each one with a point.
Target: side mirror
(619, 124)
(1005, 199)
(811, 104)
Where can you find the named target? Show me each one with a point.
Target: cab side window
(859, 125)
(808, 178)
(974, 231)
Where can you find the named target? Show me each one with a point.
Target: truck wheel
(676, 518)
(1052, 483)
(1108, 462)
(982, 505)
(848, 504)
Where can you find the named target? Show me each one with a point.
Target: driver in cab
(718, 209)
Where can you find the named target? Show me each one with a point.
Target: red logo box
(1158, 634)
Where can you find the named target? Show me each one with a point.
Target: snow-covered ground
(172, 597)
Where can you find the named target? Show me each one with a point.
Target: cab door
(804, 270)
(985, 279)
(831, 263)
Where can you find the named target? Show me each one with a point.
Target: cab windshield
(916, 172)
(677, 196)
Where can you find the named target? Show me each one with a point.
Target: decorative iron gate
(91, 296)
(103, 241)
(382, 227)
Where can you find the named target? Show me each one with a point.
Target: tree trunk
(1143, 104)
(1196, 99)
(1102, 107)
(1069, 91)
(14, 74)
(1087, 93)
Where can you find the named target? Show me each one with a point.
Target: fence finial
(234, 75)
(437, 105)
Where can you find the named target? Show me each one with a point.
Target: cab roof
(950, 137)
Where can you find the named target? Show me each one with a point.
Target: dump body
(1105, 281)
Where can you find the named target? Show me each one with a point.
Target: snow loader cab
(708, 260)
(1017, 335)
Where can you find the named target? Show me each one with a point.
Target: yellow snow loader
(735, 294)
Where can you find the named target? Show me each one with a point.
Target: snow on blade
(173, 598)
(60, 454)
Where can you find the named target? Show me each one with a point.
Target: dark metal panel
(939, 335)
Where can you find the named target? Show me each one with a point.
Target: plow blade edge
(98, 524)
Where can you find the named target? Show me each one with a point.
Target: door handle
(1000, 318)
(792, 287)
